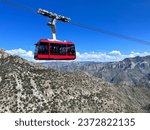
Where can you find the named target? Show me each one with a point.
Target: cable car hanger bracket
(54, 17)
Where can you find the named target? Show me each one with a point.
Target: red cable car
(54, 49)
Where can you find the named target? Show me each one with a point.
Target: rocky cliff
(134, 72)
(28, 87)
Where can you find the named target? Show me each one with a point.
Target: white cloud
(115, 52)
(22, 53)
(108, 57)
(114, 55)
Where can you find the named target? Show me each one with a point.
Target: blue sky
(22, 29)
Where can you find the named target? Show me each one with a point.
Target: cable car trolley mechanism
(54, 49)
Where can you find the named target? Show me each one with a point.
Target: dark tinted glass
(71, 50)
(43, 48)
(57, 49)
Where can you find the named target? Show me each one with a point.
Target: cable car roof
(54, 41)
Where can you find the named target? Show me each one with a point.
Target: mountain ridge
(26, 87)
(130, 71)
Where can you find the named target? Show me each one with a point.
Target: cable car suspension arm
(54, 18)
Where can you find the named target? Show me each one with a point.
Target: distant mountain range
(29, 87)
(131, 71)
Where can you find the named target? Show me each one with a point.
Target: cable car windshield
(71, 50)
(42, 48)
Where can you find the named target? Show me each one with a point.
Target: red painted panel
(55, 57)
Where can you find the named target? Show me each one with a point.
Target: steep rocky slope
(131, 71)
(28, 87)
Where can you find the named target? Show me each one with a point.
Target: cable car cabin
(54, 50)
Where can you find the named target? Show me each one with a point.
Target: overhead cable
(114, 34)
(92, 28)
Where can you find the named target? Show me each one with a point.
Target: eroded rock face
(27, 87)
(131, 71)
(3, 54)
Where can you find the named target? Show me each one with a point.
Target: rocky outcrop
(134, 72)
(27, 87)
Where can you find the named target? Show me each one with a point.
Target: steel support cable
(92, 28)
(114, 34)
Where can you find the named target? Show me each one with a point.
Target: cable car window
(53, 49)
(57, 49)
(71, 50)
(43, 48)
(62, 49)
(36, 49)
